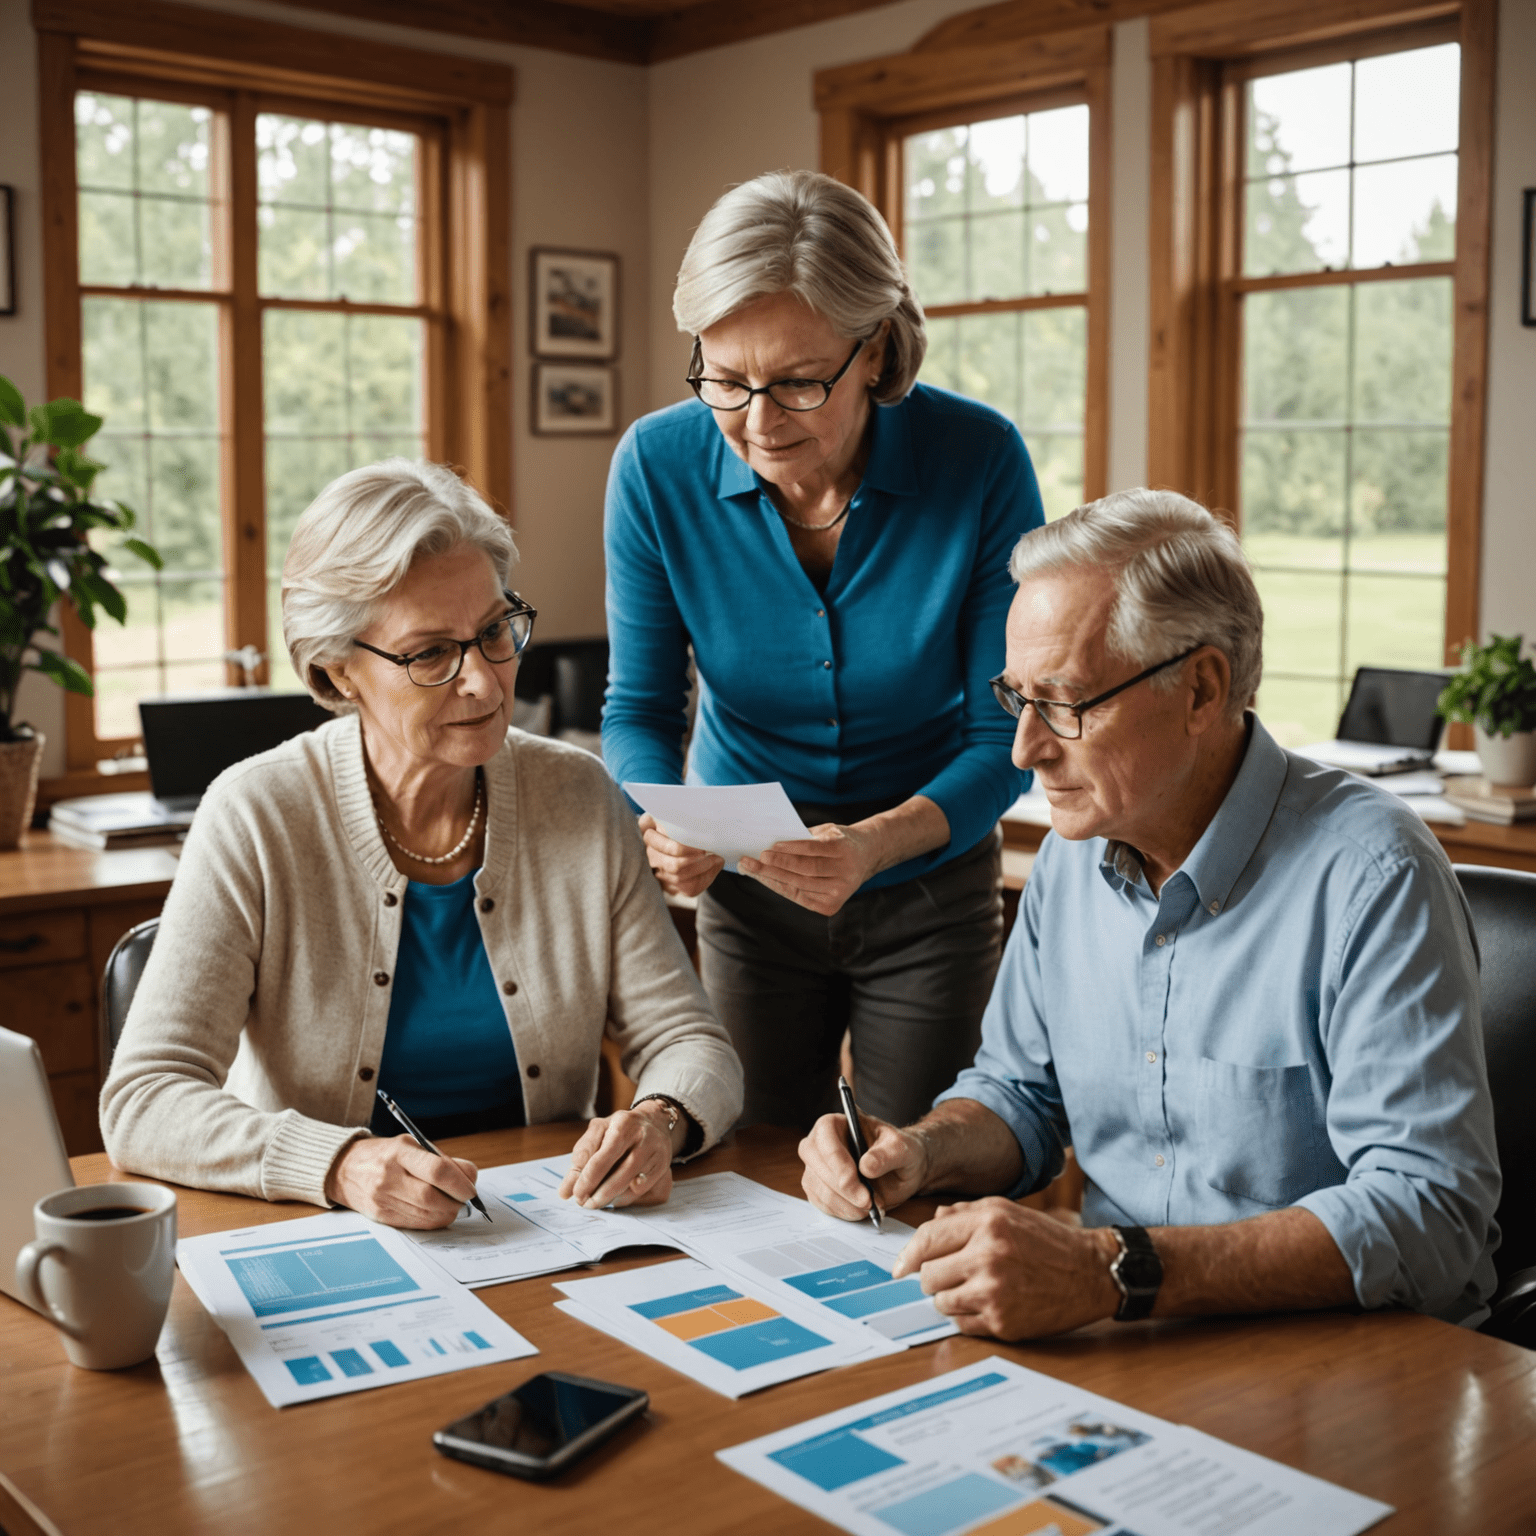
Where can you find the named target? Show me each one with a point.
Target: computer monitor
(1394, 707)
(190, 741)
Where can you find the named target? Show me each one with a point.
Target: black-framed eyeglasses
(442, 661)
(1066, 720)
(787, 394)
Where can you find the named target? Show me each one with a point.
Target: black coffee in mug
(107, 1213)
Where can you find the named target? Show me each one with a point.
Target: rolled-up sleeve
(1409, 1111)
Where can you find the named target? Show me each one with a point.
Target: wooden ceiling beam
(718, 23)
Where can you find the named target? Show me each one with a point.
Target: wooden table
(1438, 1421)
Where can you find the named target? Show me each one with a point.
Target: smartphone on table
(543, 1426)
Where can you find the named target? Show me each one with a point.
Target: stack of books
(1492, 802)
(116, 821)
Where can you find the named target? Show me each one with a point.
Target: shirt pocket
(1256, 1131)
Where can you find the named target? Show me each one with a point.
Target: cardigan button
(510, 988)
(381, 978)
(487, 904)
(366, 1073)
(390, 899)
(533, 1071)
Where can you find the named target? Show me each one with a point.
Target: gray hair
(807, 234)
(1181, 580)
(354, 544)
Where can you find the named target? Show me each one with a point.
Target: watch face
(1139, 1271)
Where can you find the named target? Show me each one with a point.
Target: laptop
(34, 1162)
(1389, 724)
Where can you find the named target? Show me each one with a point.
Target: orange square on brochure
(694, 1325)
(746, 1310)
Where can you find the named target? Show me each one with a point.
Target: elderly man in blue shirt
(1242, 986)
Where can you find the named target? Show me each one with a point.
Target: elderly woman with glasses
(412, 900)
(829, 539)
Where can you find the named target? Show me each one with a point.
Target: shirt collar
(1233, 833)
(890, 468)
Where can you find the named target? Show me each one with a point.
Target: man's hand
(622, 1159)
(390, 1179)
(896, 1163)
(682, 871)
(1002, 1269)
(822, 871)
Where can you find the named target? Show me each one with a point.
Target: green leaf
(101, 591)
(13, 409)
(146, 552)
(64, 423)
(67, 673)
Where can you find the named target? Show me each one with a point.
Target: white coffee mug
(101, 1269)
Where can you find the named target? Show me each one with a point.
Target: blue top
(447, 1047)
(874, 690)
(1295, 1021)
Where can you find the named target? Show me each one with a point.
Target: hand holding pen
(860, 1146)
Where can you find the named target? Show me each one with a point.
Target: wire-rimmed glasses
(787, 394)
(1066, 720)
(499, 642)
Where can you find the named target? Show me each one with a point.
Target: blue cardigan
(876, 689)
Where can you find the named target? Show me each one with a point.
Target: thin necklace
(463, 842)
(818, 527)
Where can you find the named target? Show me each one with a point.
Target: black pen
(425, 1145)
(860, 1146)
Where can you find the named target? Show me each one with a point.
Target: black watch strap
(1137, 1271)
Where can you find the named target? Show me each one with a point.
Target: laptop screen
(1395, 708)
(190, 741)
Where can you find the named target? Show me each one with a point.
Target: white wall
(1509, 492)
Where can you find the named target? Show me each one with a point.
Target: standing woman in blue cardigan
(832, 540)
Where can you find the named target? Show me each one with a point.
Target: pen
(425, 1145)
(860, 1146)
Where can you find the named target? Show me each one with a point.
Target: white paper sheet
(733, 820)
(998, 1448)
(334, 1303)
(706, 1324)
(1366, 757)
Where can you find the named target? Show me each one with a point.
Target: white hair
(807, 234)
(1180, 576)
(354, 544)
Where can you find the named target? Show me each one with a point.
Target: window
(341, 351)
(995, 224)
(1348, 239)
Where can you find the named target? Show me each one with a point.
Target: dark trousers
(907, 970)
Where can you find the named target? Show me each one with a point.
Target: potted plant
(1495, 693)
(47, 513)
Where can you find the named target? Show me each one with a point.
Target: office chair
(1503, 903)
(120, 981)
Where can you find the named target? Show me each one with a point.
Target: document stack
(1492, 802)
(117, 821)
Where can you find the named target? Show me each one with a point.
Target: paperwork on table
(706, 1324)
(333, 1303)
(732, 820)
(771, 1241)
(998, 1450)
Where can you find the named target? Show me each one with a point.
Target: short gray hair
(1181, 580)
(355, 542)
(807, 234)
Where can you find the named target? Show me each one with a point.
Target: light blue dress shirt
(1294, 1020)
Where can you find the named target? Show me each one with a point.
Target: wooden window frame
(1200, 58)
(867, 109)
(240, 66)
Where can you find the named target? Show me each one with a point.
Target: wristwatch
(673, 1108)
(1138, 1271)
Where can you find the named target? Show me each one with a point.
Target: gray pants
(907, 970)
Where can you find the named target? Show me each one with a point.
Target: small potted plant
(47, 514)
(1495, 693)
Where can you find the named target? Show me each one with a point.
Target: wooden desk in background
(1430, 1418)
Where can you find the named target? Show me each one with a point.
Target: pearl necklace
(817, 527)
(463, 842)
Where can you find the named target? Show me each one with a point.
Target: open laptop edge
(35, 1162)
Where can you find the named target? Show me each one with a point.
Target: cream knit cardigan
(250, 1054)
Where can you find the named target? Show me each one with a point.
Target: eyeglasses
(1066, 720)
(787, 394)
(442, 661)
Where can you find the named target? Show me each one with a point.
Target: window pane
(1296, 712)
(1299, 121)
(104, 141)
(996, 165)
(1408, 103)
(1058, 461)
(1303, 612)
(936, 171)
(989, 361)
(375, 257)
(1403, 351)
(1055, 348)
(1293, 483)
(1387, 625)
(1297, 224)
(1400, 484)
(1294, 355)
(936, 261)
(1058, 249)
(108, 239)
(998, 256)
(373, 170)
(1405, 212)
(941, 362)
(1058, 155)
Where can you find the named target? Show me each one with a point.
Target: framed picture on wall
(7, 251)
(1528, 259)
(574, 303)
(575, 400)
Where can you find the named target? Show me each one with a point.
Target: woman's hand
(682, 871)
(390, 1179)
(820, 872)
(623, 1159)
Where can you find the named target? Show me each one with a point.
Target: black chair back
(125, 965)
